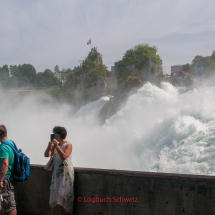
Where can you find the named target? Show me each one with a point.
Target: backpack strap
(7, 142)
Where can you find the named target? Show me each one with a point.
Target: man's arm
(3, 170)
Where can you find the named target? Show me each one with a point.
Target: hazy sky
(49, 32)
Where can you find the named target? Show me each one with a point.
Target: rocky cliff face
(96, 92)
(86, 82)
(114, 105)
(145, 74)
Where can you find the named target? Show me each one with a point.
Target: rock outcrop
(114, 105)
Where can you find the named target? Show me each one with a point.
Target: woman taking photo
(61, 189)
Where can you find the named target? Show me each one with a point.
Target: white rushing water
(157, 130)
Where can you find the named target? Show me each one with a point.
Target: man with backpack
(7, 159)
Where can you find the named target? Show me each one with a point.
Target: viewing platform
(119, 192)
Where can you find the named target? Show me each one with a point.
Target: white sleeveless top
(62, 189)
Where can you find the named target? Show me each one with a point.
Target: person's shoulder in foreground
(8, 204)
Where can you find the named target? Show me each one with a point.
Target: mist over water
(157, 130)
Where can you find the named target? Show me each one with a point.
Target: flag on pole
(89, 42)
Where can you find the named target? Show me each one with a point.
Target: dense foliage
(188, 68)
(84, 77)
(203, 67)
(46, 79)
(86, 82)
(200, 69)
(131, 82)
(138, 61)
(25, 75)
(4, 75)
(70, 85)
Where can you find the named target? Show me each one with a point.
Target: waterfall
(158, 130)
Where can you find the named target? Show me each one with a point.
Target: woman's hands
(50, 145)
(55, 145)
(55, 142)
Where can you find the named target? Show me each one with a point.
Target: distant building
(167, 75)
(61, 76)
(114, 68)
(183, 75)
(184, 78)
(176, 69)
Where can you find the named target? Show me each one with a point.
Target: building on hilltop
(188, 74)
(183, 75)
(181, 78)
(176, 69)
(114, 68)
(61, 76)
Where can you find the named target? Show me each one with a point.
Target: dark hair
(60, 131)
(3, 131)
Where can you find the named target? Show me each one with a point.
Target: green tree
(141, 61)
(207, 65)
(131, 82)
(24, 82)
(70, 79)
(84, 77)
(197, 57)
(40, 82)
(16, 70)
(29, 71)
(213, 56)
(56, 69)
(209, 69)
(50, 79)
(90, 72)
(6, 68)
(26, 74)
(188, 81)
(13, 81)
(46, 79)
(4, 76)
(174, 80)
(110, 74)
(187, 68)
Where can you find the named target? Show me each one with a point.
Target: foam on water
(157, 130)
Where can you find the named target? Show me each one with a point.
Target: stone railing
(117, 192)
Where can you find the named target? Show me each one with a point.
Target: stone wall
(120, 192)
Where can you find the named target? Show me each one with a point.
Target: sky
(46, 33)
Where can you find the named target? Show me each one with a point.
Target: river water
(157, 130)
